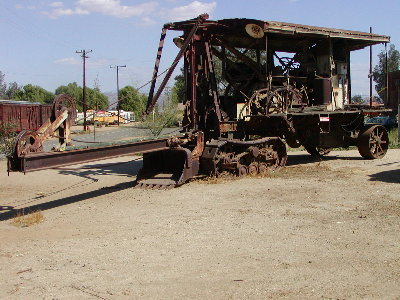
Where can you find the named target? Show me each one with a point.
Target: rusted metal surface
(277, 83)
(167, 169)
(23, 115)
(374, 142)
(282, 27)
(291, 32)
(174, 166)
(45, 160)
(228, 126)
(152, 100)
(244, 157)
(282, 81)
(156, 66)
(62, 102)
(26, 142)
(62, 115)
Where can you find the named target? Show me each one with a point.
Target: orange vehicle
(105, 117)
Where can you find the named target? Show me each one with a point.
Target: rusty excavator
(251, 88)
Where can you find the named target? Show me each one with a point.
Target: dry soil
(315, 230)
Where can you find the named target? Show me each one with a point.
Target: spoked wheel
(27, 142)
(64, 101)
(317, 151)
(373, 143)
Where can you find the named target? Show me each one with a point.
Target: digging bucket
(167, 168)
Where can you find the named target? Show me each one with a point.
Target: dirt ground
(315, 230)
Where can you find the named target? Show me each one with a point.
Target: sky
(39, 39)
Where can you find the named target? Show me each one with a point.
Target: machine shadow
(302, 159)
(12, 212)
(390, 176)
(131, 169)
(89, 171)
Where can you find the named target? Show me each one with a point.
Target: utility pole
(370, 73)
(397, 84)
(117, 67)
(386, 76)
(84, 52)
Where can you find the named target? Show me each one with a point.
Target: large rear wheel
(373, 143)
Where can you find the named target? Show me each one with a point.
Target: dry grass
(285, 172)
(301, 170)
(22, 220)
(226, 177)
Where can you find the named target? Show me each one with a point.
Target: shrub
(7, 138)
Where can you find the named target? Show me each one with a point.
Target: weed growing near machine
(393, 138)
(26, 220)
(7, 137)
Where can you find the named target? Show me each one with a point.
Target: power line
(139, 88)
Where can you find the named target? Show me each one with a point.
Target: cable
(33, 199)
(30, 200)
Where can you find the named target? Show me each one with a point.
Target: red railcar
(24, 115)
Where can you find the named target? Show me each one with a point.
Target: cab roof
(281, 34)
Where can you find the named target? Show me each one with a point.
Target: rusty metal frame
(157, 63)
(152, 100)
(47, 129)
(211, 121)
(46, 160)
(213, 82)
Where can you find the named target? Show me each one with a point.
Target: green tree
(3, 86)
(357, 99)
(95, 99)
(170, 113)
(178, 90)
(12, 90)
(74, 91)
(379, 73)
(131, 100)
(34, 93)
